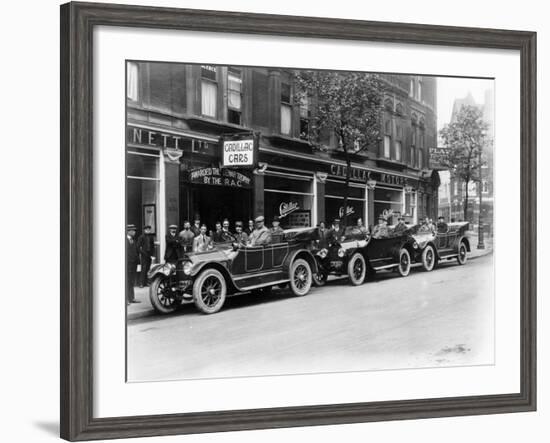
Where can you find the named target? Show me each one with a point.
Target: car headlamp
(187, 268)
(415, 245)
(341, 252)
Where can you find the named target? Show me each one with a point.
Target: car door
(254, 258)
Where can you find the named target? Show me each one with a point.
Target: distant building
(452, 190)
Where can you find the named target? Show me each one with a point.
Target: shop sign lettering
(363, 175)
(287, 208)
(349, 211)
(238, 152)
(219, 177)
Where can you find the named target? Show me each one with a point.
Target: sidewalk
(475, 253)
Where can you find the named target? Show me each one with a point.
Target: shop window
(398, 150)
(388, 202)
(334, 201)
(410, 205)
(234, 95)
(132, 81)
(286, 109)
(304, 117)
(289, 197)
(209, 91)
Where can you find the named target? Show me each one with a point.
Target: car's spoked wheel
(404, 266)
(300, 277)
(428, 258)
(161, 296)
(209, 291)
(357, 269)
(320, 278)
(462, 254)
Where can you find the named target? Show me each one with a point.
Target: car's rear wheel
(209, 291)
(357, 269)
(300, 277)
(162, 298)
(462, 253)
(404, 265)
(428, 258)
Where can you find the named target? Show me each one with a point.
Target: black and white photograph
(286, 221)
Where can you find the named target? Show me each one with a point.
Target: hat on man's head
(173, 227)
(239, 223)
(131, 227)
(147, 227)
(260, 218)
(336, 220)
(381, 217)
(276, 218)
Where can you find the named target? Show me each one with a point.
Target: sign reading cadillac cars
(239, 150)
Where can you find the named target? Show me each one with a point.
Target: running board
(272, 283)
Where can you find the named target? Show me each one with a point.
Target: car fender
(165, 269)
(301, 253)
(466, 240)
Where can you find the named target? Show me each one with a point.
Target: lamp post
(480, 243)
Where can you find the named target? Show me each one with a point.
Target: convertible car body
(358, 254)
(206, 278)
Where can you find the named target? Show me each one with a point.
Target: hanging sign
(239, 150)
(219, 177)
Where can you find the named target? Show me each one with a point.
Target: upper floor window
(398, 150)
(209, 91)
(419, 91)
(485, 186)
(286, 109)
(304, 117)
(132, 81)
(420, 158)
(234, 95)
(411, 87)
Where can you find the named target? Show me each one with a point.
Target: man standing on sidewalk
(146, 249)
(132, 260)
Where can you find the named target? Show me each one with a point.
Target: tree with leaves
(347, 105)
(464, 139)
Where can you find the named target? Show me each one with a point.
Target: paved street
(441, 318)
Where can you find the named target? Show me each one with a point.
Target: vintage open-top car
(206, 278)
(357, 254)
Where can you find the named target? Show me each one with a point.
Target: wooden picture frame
(77, 23)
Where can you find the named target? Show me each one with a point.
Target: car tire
(404, 264)
(320, 278)
(159, 296)
(209, 291)
(300, 277)
(462, 256)
(428, 258)
(357, 269)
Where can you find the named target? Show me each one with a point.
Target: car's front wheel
(462, 253)
(404, 265)
(162, 298)
(209, 291)
(300, 277)
(428, 258)
(357, 269)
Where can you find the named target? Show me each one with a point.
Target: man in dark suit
(132, 259)
(146, 249)
(336, 232)
(174, 250)
(196, 228)
(323, 242)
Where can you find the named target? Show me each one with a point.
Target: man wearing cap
(381, 229)
(260, 235)
(186, 237)
(202, 242)
(400, 227)
(146, 249)
(276, 231)
(240, 236)
(361, 226)
(174, 250)
(132, 259)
